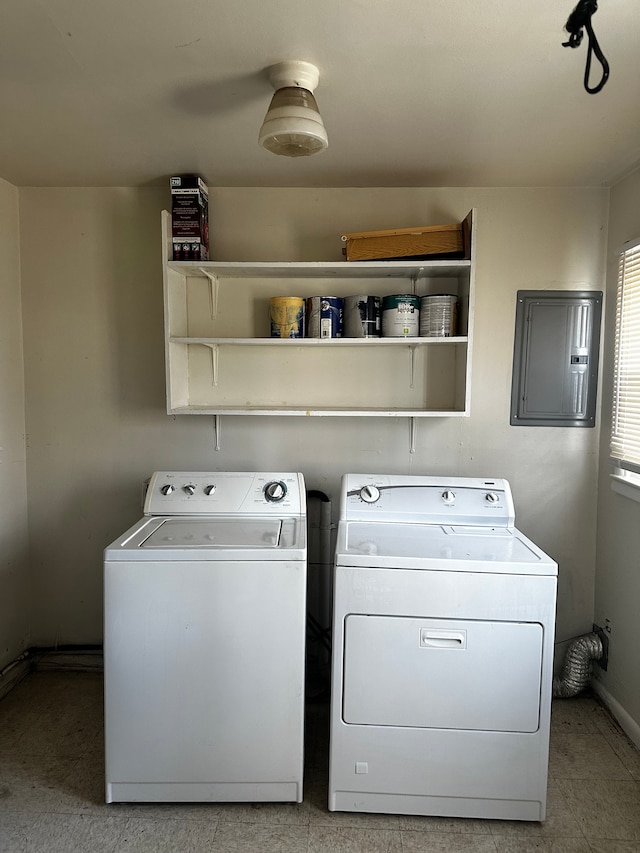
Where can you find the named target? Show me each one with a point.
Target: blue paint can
(324, 317)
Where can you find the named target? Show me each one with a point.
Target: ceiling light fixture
(293, 125)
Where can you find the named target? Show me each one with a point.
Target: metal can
(324, 317)
(287, 316)
(400, 316)
(361, 317)
(438, 316)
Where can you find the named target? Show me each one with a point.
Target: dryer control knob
(491, 498)
(448, 496)
(167, 489)
(209, 490)
(190, 489)
(275, 491)
(370, 494)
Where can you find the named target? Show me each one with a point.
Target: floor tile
(52, 792)
(204, 812)
(349, 839)
(295, 814)
(62, 833)
(621, 744)
(584, 756)
(437, 842)
(577, 715)
(15, 830)
(259, 838)
(144, 835)
(35, 783)
(67, 736)
(605, 809)
(541, 845)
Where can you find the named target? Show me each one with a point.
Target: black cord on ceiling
(578, 20)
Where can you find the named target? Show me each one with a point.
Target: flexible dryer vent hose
(576, 670)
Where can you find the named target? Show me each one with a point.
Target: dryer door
(441, 673)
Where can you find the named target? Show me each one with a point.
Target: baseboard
(71, 657)
(38, 658)
(68, 660)
(627, 723)
(15, 674)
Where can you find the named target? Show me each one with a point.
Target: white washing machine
(204, 641)
(442, 661)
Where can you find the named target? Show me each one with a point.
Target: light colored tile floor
(51, 792)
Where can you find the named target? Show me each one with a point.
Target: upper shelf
(320, 269)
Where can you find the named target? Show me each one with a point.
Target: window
(625, 427)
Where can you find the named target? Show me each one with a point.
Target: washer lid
(213, 538)
(439, 547)
(215, 533)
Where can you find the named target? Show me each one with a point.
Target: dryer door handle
(434, 639)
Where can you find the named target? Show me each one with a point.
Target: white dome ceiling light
(293, 125)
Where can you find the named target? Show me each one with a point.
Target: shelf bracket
(213, 349)
(412, 435)
(414, 283)
(216, 431)
(214, 283)
(412, 350)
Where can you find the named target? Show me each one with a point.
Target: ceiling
(412, 92)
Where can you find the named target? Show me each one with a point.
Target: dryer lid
(440, 547)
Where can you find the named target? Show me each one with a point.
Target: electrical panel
(555, 361)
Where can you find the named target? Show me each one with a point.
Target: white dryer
(442, 662)
(204, 641)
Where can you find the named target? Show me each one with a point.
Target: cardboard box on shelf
(405, 243)
(189, 218)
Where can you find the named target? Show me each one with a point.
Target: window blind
(625, 431)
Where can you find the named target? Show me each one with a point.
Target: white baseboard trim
(69, 660)
(628, 724)
(14, 675)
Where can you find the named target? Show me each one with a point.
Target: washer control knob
(448, 496)
(190, 489)
(491, 498)
(370, 494)
(167, 489)
(209, 490)
(275, 491)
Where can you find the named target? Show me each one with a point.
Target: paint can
(287, 316)
(438, 316)
(324, 317)
(400, 316)
(361, 317)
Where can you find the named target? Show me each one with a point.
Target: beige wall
(618, 561)
(92, 291)
(14, 579)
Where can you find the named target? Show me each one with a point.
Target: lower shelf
(302, 380)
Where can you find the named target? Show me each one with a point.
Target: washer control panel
(224, 493)
(427, 500)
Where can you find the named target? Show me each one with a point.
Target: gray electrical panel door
(555, 361)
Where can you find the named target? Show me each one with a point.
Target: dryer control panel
(225, 493)
(427, 500)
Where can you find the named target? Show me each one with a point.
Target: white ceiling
(412, 92)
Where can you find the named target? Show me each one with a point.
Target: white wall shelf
(321, 342)
(220, 359)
